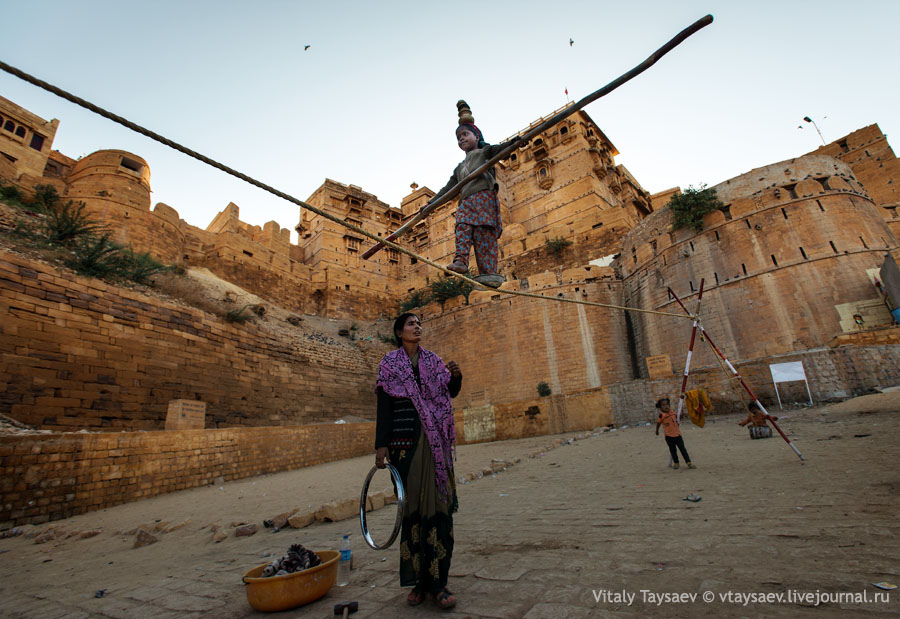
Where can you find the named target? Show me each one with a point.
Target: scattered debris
(693, 498)
(144, 539)
(884, 585)
(99, 593)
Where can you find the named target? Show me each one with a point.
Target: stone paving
(573, 531)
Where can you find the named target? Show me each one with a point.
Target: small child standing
(669, 421)
(478, 219)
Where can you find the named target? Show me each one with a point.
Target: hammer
(346, 608)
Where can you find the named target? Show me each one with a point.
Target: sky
(372, 100)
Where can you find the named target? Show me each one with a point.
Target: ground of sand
(570, 531)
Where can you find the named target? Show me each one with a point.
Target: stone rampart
(53, 476)
(506, 345)
(786, 267)
(80, 353)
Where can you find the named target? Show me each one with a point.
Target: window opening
(20, 131)
(37, 141)
(744, 268)
(131, 164)
(775, 262)
(821, 208)
(9, 126)
(803, 253)
(863, 242)
(833, 248)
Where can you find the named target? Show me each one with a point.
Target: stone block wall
(784, 268)
(80, 353)
(832, 373)
(506, 345)
(53, 476)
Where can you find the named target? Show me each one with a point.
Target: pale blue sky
(372, 102)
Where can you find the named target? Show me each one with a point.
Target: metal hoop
(401, 500)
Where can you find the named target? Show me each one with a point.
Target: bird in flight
(305, 47)
(571, 42)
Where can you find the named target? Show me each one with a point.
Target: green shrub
(63, 224)
(448, 287)
(543, 389)
(417, 298)
(10, 193)
(139, 267)
(557, 246)
(94, 256)
(690, 206)
(46, 197)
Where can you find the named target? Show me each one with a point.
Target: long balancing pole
(568, 111)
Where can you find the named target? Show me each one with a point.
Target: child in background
(668, 420)
(757, 420)
(478, 215)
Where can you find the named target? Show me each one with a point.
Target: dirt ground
(570, 531)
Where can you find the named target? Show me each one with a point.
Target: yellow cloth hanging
(698, 406)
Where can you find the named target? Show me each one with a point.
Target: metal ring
(401, 500)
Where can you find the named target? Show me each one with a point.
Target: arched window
(543, 172)
(564, 130)
(538, 142)
(20, 131)
(513, 157)
(9, 126)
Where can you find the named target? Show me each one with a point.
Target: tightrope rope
(284, 196)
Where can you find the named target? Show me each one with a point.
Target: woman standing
(415, 432)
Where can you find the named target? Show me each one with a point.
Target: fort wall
(52, 476)
(79, 353)
(506, 345)
(787, 266)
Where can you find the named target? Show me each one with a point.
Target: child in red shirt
(668, 420)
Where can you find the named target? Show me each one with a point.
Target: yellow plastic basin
(292, 590)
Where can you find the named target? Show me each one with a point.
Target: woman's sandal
(415, 597)
(444, 599)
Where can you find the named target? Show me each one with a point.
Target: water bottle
(343, 577)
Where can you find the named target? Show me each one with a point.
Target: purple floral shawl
(432, 402)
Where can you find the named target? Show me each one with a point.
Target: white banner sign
(786, 372)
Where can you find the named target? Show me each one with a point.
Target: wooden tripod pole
(690, 352)
(454, 191)
(737, 375)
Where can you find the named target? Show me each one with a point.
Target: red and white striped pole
(751, 394)
(715, 348)
(690, 353)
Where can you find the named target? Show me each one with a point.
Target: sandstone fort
(798, 266)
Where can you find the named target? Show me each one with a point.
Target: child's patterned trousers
(485, 241)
